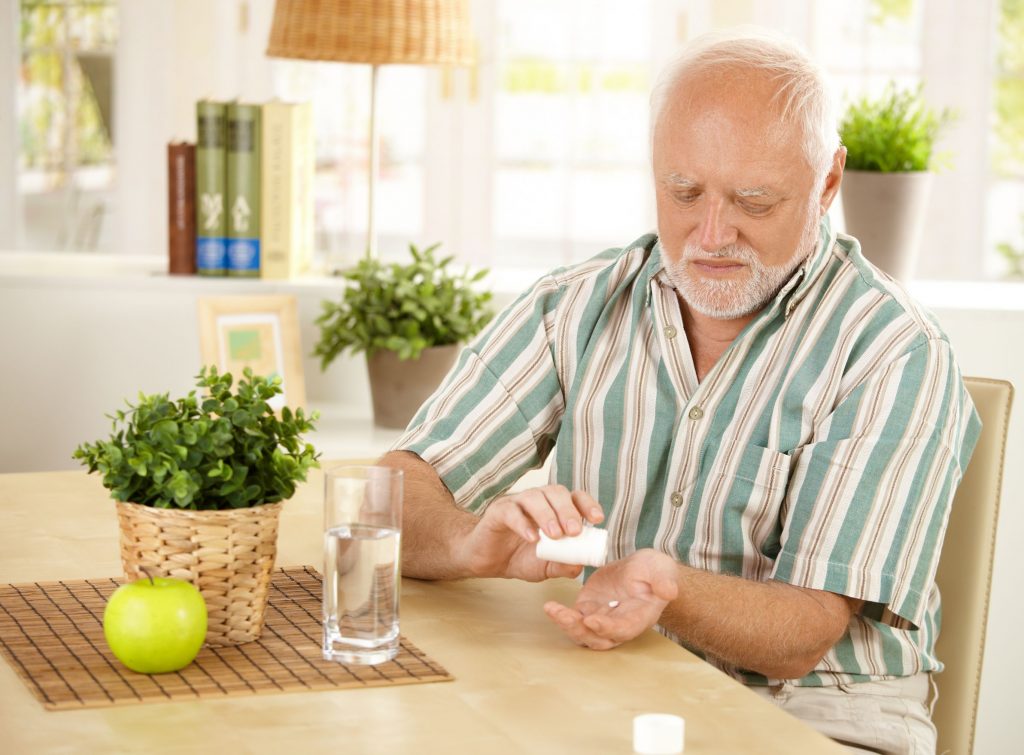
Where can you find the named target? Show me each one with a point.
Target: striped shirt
(822, 449)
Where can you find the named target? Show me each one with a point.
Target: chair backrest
(965, 571)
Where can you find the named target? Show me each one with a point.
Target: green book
(211, 219)
(243, 190)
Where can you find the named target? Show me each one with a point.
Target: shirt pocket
(763, 467)
(751, 491)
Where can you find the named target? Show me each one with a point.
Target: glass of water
(362, 538)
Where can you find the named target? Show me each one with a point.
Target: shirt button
(670, 332)
(676, 499)
(696, 413)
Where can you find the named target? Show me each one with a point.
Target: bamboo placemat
(52, 635)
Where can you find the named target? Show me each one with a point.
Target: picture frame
(261, 332)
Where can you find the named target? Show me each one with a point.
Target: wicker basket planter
(227, 554)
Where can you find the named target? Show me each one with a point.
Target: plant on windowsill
(199, 484)
(890, 142)
(410, 320)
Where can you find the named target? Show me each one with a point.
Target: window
(340, 94)
(570, 138)
(864, 44)
(539, 156)
(1006, 196)
(553, 145)
(536, 157)
(65, 102)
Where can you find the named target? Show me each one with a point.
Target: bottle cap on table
(589, 548)
(658, 734)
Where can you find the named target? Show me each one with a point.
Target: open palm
(620, 601)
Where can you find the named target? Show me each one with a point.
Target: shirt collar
(811, 268)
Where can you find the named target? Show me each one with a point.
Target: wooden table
(520, 686)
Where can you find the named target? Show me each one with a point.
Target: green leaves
(402, 308)
(1013, 255)
(1014, 259)
(894, 133)
(228, 451)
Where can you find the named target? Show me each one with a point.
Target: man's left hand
(619, 602)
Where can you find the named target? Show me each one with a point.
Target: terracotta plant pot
(228, 555)
(399, 387)
(885, 212)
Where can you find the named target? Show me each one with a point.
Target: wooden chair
(965, 571)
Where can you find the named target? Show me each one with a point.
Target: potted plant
(890, 143)
(409, 319)
(199, 484)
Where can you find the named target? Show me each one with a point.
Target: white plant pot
(885, 212)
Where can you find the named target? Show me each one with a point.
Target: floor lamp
(419, 32)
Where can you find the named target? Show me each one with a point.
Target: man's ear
(833, 179)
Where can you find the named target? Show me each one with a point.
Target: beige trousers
(889, 717)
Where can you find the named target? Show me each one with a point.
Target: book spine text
(243, 190)
(287, 207)
(211, 218)
(181, 219)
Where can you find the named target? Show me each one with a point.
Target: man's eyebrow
(755, 191)
(680, 182)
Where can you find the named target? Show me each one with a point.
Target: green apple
(155, 625)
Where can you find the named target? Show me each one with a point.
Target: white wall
(75, 346)
(955, 78)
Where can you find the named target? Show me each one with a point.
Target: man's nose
(716, 229)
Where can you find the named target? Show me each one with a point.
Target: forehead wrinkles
(738, 97)
(750, 90)
(743, 168)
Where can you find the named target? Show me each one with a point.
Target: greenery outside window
(1006, 196)
(65, 104)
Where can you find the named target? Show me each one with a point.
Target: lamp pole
(371, 220)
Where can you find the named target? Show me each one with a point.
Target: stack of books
(241, 197)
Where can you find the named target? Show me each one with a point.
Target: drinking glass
(362, 538)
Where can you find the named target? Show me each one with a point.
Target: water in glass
(361, 589)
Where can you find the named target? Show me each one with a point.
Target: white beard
(728, 299)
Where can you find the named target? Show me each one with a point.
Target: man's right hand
(503, 543)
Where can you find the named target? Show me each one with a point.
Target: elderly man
(768, 427)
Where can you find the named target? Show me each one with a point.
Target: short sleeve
(497, 413)
(869, 497)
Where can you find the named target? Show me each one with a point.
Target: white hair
(803, 89)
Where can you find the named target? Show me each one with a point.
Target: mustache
(738, 252)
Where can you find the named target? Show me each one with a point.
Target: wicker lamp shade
(373, 31)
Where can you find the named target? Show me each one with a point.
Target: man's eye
(686, 198)
(752, 208)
